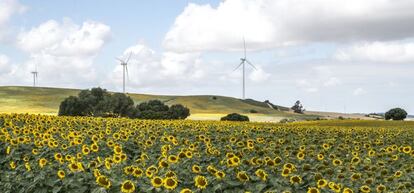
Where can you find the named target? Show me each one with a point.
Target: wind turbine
(242, 63)
(35, 72)
(124, 64)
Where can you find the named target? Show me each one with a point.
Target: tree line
(98, 102)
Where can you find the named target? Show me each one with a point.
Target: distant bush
(253, 111)
(235, 117)
(287, 120)
(214, 98)
(396, 114)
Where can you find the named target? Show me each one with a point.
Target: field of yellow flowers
(78, 154)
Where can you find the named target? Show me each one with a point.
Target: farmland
(38, 100)
(41, 153)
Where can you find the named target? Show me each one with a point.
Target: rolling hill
(40, 100)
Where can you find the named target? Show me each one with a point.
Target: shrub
(235, 117)
(253, 111)
(214, 98)
(396, 114)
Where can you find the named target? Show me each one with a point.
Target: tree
(100, 103)
(235, 117)
(96, 102)
(71, 106)
(396, 114)
(121, 104)
(298, 108)
(155, 109)
(178, 111)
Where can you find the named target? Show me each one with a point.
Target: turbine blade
(251, 64)
(126, 68)
(238, 66)
(129, 57)
(244, 44)
(119, 59)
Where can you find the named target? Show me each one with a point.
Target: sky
(333, 55)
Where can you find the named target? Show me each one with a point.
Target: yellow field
(63, 154)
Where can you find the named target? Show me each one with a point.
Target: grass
(14, 99)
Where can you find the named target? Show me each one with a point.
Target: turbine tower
(35, 72)
(242, 63)
(124, 64)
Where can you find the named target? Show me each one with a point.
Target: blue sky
(333, 55)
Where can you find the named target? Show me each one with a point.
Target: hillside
(40, 100)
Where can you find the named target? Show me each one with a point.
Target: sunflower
(355, 176)
(186, 190)
(103, 181)
(96, 173)
(58, 156)
(200, 182)
(348, 190)
(76, 167)
(286, 172)
(85, 150)
(322, 183)
(406, 149)
(27, 166)
(95, 147)
(137, 172)
(128, 170)
(170, 183)
(261, 174)
(365, 189)
(61, 174)
(320, 157)
(172, 159)
(300, 155)
(242, 176)
(196, 169)
(398, 174)
(42, 162)
(163, 164)
(313, 190)
(220, 175)
(337, 162)
(127, 187)
(156, 182)
(295, 179)
(381, 188)
(171, 174)
(118, 149)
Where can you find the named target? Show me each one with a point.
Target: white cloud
(259, 75)
(8, 8)
(379, 52)
(270, 24)
(64, 52)
(359, 91)
(332, 81)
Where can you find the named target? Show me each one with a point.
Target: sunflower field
(40, 153)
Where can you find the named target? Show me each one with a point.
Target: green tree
(178, 111)
(298, 108)
(396, 114)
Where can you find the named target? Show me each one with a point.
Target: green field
(203, 107)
